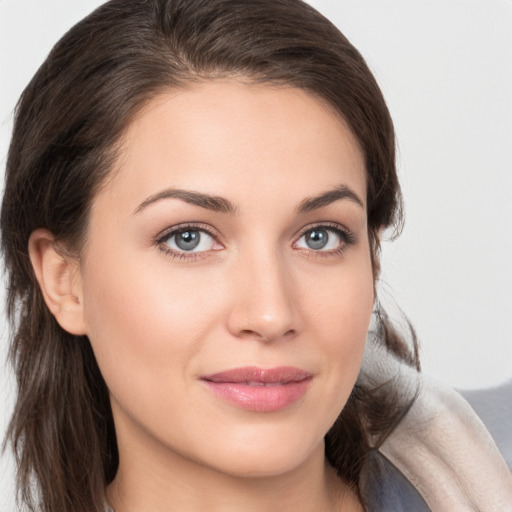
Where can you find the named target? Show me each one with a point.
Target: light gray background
(445, 67)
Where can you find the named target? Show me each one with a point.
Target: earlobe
(59, 280)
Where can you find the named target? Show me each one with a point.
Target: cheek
(341, 312)
(342, 302)
(142, 330)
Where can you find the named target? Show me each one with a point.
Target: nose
(264, 300)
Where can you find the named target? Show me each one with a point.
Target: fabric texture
(448, 457)
(392, 492)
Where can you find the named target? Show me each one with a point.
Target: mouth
(259, 389)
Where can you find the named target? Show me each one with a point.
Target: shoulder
(494, 407)
(387, 489)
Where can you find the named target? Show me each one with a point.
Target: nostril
(248, 333)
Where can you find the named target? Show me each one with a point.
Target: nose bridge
(263, 298)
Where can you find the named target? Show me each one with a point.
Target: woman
(194, 198)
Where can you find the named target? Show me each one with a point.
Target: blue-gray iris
(188, 240)
(317, 239)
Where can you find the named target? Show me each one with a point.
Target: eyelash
(347, 237)
(184, 255)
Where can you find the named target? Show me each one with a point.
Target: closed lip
(252, 375)
(259, 389)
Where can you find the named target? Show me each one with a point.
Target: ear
(59, 279)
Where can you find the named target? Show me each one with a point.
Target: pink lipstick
(258, 389)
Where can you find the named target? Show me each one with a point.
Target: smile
(260, 390)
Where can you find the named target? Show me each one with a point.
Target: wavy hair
(68, 122)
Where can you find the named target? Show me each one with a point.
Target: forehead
(229, 138)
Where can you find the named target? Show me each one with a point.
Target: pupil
(317, 239)
(187, 240)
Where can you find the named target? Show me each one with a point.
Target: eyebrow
(340, 192)
(222, 205)
(213, 203)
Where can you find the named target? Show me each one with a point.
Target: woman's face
(226, 280)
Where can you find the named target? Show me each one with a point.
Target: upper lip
(252, 374)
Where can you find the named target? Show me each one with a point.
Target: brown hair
(67, 124)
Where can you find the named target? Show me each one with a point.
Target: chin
(265, 454)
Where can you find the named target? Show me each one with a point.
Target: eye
(324, 239)
(188, 240)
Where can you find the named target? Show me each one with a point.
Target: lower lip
(266, 398)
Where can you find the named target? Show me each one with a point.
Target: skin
(253, 294)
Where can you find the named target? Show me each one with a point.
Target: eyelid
(168, 232)
(348, 237)
(326, 224)
(199, 226)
